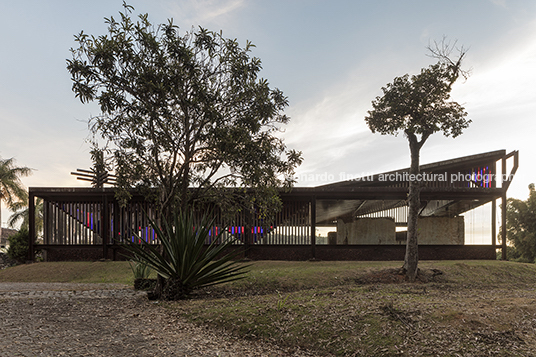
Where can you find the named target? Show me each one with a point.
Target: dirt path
(42, 319)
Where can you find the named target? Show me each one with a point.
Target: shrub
(183, 262)
(141, 275)
(140, 269)
(18, 245)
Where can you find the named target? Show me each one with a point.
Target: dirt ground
(381, 314)
(42, 319)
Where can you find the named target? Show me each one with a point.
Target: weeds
(281, 302)
(140, 269)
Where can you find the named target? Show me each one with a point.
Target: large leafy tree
(419, 106)
(183, 113)
(12, 190)
(521, 226)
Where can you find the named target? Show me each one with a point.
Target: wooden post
(504, 186)
(313, 227)
(494, 223)
(116, 228)
(494, 207)
(31, 223)
(248, 235)
(105, 226)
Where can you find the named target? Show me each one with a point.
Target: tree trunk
(0, 218)
(411, 259)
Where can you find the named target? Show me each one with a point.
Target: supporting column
(248, 234)
(504, 186)
(116, 228)
(313, 227)
(31, 223)
(105, 226)
(494, 223)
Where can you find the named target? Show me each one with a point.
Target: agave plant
(184, 262)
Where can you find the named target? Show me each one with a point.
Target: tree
(419, 106)
(184, 114)
(521, 226)
(21, 214)
(11, 189)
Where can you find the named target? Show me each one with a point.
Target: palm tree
(11, 188)
(20, 213)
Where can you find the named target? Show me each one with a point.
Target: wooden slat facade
(92, 221)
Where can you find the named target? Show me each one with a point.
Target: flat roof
(366, 195)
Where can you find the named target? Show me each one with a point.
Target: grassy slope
(72, 272)
(476, 308)
(270, 275)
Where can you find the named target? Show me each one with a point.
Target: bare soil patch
(109, 326)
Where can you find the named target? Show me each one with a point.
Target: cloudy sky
(330, 58)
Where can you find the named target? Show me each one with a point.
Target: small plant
(183, 262)
(141, 272)
(140, 269)
(281, 302)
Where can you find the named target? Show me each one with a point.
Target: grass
(70, 272)
(338, 309)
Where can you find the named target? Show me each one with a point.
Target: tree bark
(0, 218)
(411, 259)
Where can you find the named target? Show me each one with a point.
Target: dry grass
(70, 272)
(459, 308)
(359, 309)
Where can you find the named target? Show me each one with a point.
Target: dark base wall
(397, 252)
(297, 252)
(372, 252)
(60, 253)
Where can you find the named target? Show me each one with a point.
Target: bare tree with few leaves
(419, 106)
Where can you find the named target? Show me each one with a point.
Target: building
(366, 216)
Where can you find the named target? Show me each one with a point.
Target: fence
(103, 221)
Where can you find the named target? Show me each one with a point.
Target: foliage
(20, 214)
(141, 272)
(419, 106)
(184, 261)
(521, 226)
(182, 113)
(18, 245)
(281, 302)
(511, 254)
(11, 189)
(140, 269)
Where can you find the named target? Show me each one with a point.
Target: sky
(330, 58)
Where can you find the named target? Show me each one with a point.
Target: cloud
(503, 83)
(501, 3)
(195, 12)
(330, 127)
